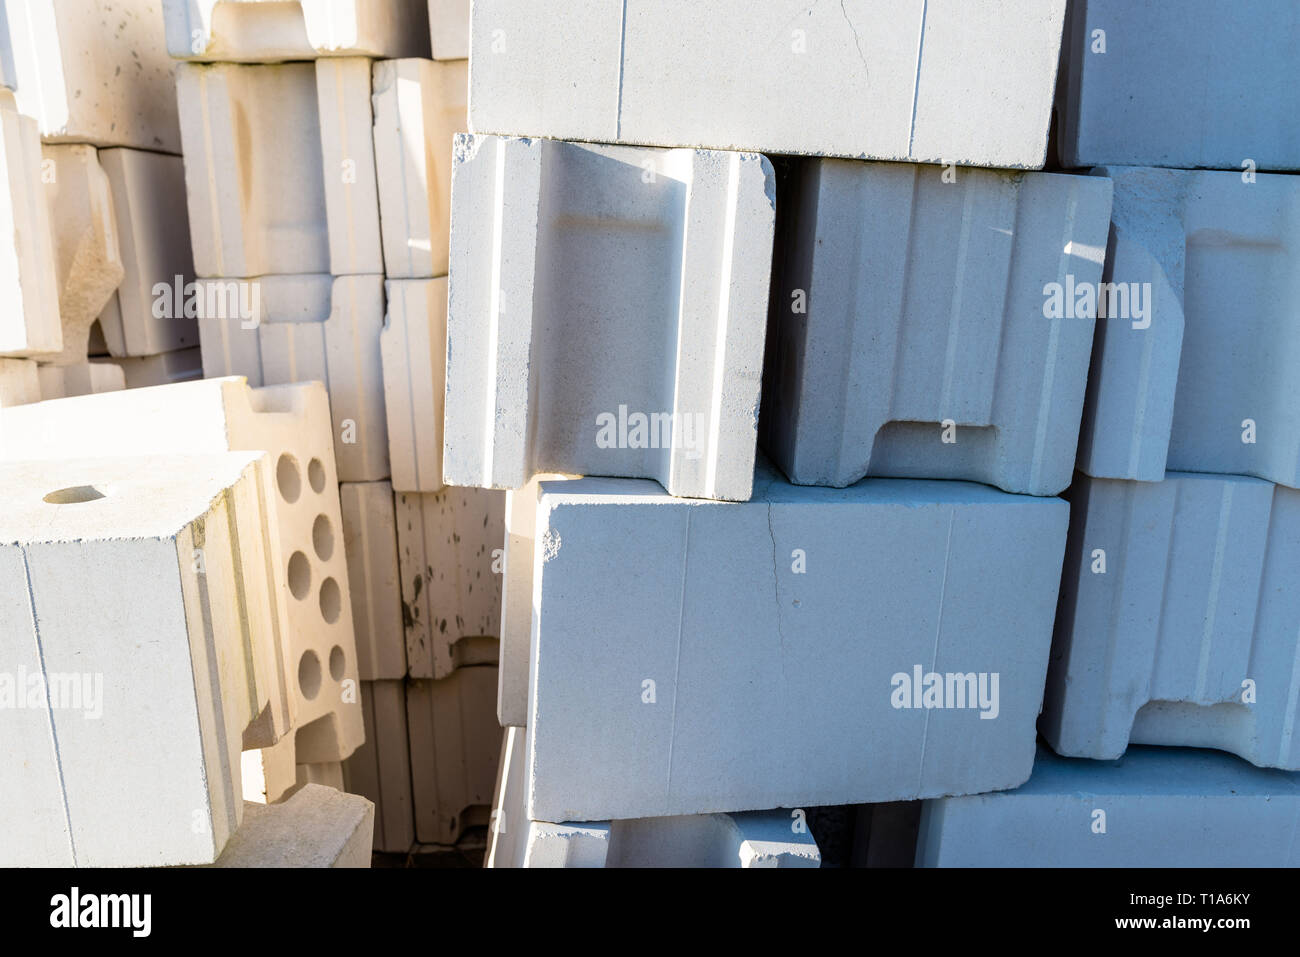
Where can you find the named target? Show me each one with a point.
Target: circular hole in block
(331, 600)
(322, 537)
(288, 477)
(299, 575)
(74, 495)
(337, 661)
(316, 475)
(309, 674)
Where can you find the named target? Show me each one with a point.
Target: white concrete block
(261, 31)
(95, 71)
(1182, 84)
(370, 541)
(1202, 379)
(122, 751)
(1160, 807)
(88, 378)
(692, 657)
(775, 77)
(909, 337)
(269, 773)
(419, 106)
(280, 168)
(141, 372)
(303, 328)
(606, 314)
(449, 27)
(454, 748)
(381, 768)
(1178, 621)
(413, 346)
(450, 552)
(317, 827)
(19, 382)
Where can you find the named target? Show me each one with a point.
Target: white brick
(413, 346)
(381, 768)
(450, 552)
(317, 827)
(907, 302)
(590, 283)
(19, 382)
(140, 372)
(419, 106)
(775, 77)
(88, 378)
(1163, 808)
(370, 539)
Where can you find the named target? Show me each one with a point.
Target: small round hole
(316, 475)
(331, 600)
(337, 661)
(309, 674)
(288, 477)
(322, 537)
(74, 495)
(299, 575)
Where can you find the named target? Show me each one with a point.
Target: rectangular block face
(381, 768)
(370, 540)
(1163, 807)
(316, 827)
(758, 655)
(413, 347)
(683, 74)
(1177, 624)
(912, 330)
(606, 314)
(1179, 84)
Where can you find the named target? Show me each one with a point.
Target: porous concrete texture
(1154, 807)
(316, 827)
(413, 347)
(640, 598)
(908, 331)
(19, 382)
(86, 378)
(370, 542)
(606, 314)
(381, 768)
(1179, 619)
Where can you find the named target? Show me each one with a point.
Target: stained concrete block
(606, 314)
(1178, 621)
(317, 827)
(302, 328)
(88, 378)
(261, 31)
(686, 74)
(370, 540)
(450, 552)
(1173, 83)
(94, 71)
(720, 649)
(1155, 807)
(454, 747)
(413, 346)
(19, 382)
(280, 168)
(124, 752)
(1202, 380)
(419, 106)
(908, 336)
(381, 768)
(141, 372)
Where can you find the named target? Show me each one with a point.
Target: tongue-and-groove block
(414, 350)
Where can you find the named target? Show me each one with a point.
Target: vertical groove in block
(370, 538)
(381, 768)
(413, 347)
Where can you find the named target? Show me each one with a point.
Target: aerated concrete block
(606, 314)
(1179, 619)
(280, 168)
(1155, 807)
(141, 372)
(419, 107)
(413, 346)
(137, 609)
(19, 383)
(381, 768)
(94, 71)
(88, 378)
(1195, 372)
(450, 552)
(908, 329)
(1182, 84)
(317, 827)
(775, 77)
(692, 657)
(370, 540)
(261, 31)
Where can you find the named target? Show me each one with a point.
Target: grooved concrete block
(147, 317)
(909, 337)
(693, 657)
(419, 107)
(1177, 83)
(280, 168)
(450, 552)
(414, 350)
(1201, 377)
(19, 382)
(381, 768)
(137, 613)
(88, 378)
(94, 71)
(141, 372)
(317, 827)
(262, 31)
(280, 329)
(606, 314)
(454, 747)
(680, 73)
(1159, 807)
(370, 540)
(1179, 619)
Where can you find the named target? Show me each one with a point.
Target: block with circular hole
(138, 623)
(370, 540)
(318, 826)
(413, 347)
(381, 768)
